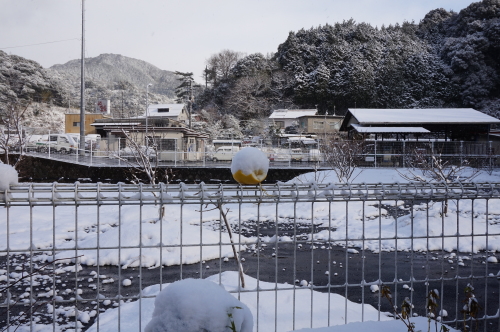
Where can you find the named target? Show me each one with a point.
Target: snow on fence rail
(94, 256)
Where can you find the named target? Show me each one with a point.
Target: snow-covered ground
(274, 308)
(72, 232)
(112, 226)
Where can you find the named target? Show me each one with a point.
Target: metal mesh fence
(94, 256)
(113, 152)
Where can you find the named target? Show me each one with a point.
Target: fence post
(290, 155)
(461, 153)
(490, 153)
(119, 159)
(404, 153)
(49, 143)
(432, 154)
(375, 156)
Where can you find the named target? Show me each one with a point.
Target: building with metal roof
(465, 124)
(282, 118)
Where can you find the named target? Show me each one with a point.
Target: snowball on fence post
(193, 305)
(250, 166)
(8, 176)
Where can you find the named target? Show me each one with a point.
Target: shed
(465, 124)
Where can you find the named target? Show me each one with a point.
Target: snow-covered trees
(219, 65)
(349, 64)
(469, 43)
(12, 134)
(447, 60)
(25, 80)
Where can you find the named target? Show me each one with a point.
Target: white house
(283, 118)
(176, 112)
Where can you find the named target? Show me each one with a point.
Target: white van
(63, 143)
(225, 153)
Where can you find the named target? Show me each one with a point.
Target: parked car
(315, 155)
(297, 155)
(63, 143)
(32, 142)
(225, 153)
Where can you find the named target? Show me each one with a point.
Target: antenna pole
(82, 86)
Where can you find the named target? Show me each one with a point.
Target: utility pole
(190, 101)
(122, 105)
(206, 77)
(147, 110)
(82, 86)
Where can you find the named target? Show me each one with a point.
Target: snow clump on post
(193, 305)
(250, 166)
(8, 176)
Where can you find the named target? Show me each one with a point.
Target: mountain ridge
(109, 69)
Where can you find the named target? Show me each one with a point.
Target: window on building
(318, 125)
(279, 124)
(76, 124)
(166, 144)
(334, 125)
(163, 110)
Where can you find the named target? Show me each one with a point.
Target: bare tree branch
(343, 156)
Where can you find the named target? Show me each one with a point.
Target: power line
(51, 42)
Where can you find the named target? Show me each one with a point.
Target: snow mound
(8, 176)
(193, 305)
(421, 324)
(250, 166)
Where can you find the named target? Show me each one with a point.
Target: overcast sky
(181, 35)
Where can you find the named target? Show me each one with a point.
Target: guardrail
(375, 154)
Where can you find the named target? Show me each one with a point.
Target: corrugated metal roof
(374, 130)
(291, 114)
(421, 116)
(128, 124)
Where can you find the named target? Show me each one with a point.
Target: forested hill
(122, 80)
(111, 69)
(23, 79)
(446, 60)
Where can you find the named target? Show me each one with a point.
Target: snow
(108, 226)
(421, 324)
(167, 232)
(173, 110)
(492, 259)
(416, 116)
(361, 129)
(103, 124)
(269, 305)
(291, 114)
(193, 305)
(8, 176)
(250, 161)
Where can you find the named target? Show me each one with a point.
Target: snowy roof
(361, 129)
(305, 140)
(291, 114)
(421, 116)
(167, 110)
(115, 124)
